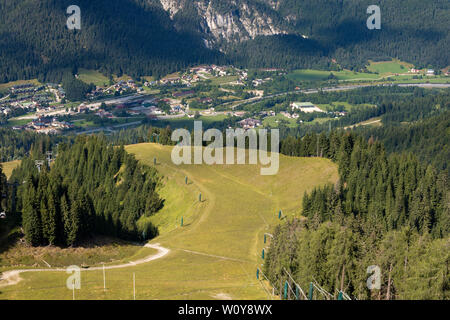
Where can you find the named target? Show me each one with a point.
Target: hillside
(156, 37)
(216, 252)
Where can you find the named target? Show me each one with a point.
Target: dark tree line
(428, 139)
(133, 36)
(91, 188)
(76, 90)
(392, 211)
(3, 191)
(17, 144)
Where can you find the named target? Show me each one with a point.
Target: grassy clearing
(216, 253)
(385, 71)
(373, 122)
(319, 75)
(274, 121)
(347, 106)
(18, 122)
(222, 80)
(389, 67)
(92, 76)
(84, 124)
(8, 167)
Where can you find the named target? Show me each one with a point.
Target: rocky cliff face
(172, 6)
(241, 21)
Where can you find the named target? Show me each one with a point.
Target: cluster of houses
(429, 72)
(250, 123)
(25, 88)
(290, 115)
(25, 92)
(123, 87)
(220, 71)
(6, 109)
(258, 82)
(47, 125)
(269, 113)
(195, 75)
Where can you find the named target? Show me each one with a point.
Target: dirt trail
(9, 278)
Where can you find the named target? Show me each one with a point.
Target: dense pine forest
(91, 188)
(414, 30)
(3, 191)
(18, 144)
(428, 139)
(132, 36)
(391, 211)
(414, 120)
(139, 38)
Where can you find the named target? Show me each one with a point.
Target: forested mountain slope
(156, 37)
(117, 36)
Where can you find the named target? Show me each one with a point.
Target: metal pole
(134, 286)
(298, 288)
(104, 278)
(311, 291)
(285, 290)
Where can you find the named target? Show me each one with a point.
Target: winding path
(12, 277)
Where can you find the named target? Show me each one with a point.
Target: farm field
(385, 67)
(223, 80)
(319, 75)
(17, 122)
(214, 255)
(393, 71)
(344, 105)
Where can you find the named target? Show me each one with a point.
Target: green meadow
(385, 67)
(319, 75)
(92, 76)
(8, 167)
